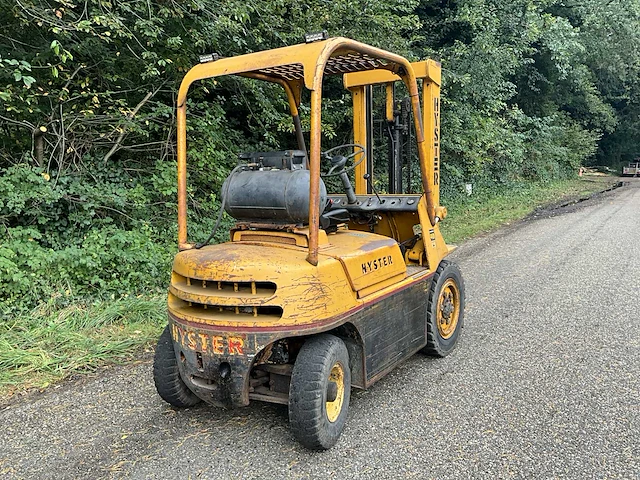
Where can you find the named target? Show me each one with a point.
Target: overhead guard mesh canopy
(350, 62)
(299, 62)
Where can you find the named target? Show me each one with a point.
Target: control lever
(367, 177)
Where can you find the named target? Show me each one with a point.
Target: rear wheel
(445, 311)
(166, 375)
(319, 392)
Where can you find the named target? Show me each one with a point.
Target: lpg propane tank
(280, 196)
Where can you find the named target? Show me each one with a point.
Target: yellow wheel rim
(448, 309)
(334, 408)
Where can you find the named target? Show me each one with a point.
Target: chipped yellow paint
(354, 265)
(304, 292)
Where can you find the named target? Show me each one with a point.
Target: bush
(68, 238)
(108, 262)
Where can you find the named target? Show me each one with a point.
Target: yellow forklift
(315, 292)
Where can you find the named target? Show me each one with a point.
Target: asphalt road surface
(544, 384)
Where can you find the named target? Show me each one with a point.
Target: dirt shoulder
(572, 202)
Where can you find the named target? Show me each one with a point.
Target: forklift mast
(360, 84)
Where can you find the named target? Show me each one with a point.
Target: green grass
(484, 212)
(50, 343)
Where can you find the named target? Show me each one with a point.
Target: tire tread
(434, 346)
(166, 375)
(306, 398)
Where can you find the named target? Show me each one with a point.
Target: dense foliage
(532, 90)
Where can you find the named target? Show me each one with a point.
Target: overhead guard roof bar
(306, 62)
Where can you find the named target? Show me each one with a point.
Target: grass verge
(51, 343)
(486, 211)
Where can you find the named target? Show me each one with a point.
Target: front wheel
(445, 310)
(319, 392)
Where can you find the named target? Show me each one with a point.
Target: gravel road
(545, 383)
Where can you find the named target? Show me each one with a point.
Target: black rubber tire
(438, 346)
(166, 375)
(308, 392)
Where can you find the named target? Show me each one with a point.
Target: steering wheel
(339, 161)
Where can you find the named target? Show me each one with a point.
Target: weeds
(486, 211)
(51, 343)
